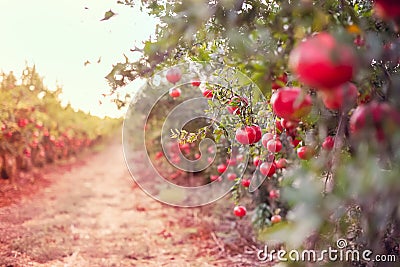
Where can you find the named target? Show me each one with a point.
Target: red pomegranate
(291, 104)
(323, 62)
(387, 8)
(341, 97)
(380, 118)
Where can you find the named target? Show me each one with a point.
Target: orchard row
(36, 129)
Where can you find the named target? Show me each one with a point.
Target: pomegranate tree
(319, 120)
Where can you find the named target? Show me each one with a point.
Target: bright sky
(58, 36)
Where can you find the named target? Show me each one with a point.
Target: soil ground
(90, 213)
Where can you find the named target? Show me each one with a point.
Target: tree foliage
(350, 192)
(36, 129)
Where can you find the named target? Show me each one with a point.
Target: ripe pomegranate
(289, 125)
(281, 163)
(268, 169)
(23, 122)
(290, 104)
(328, 143)
(245, 135)
(208, 93)
(175, 92)
(276, 218)
(258, 131)
(274, 194)
(196, 83)
(159, 155)
(274, 145)
(265, 138)
(221, 168)
(174, 75)
(344, 96)
(323, 62)
(231, 176)
(248, 134)
(387, 9)
(8, 134)
(305, 152)
(381, 119)
(239, 211)
(27, 152)
(246, 182)
(257, 161)
(215, 178)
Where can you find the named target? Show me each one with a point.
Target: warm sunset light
(60, 36)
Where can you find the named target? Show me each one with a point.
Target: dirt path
(93, 215)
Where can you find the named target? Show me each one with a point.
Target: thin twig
(215, 238)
